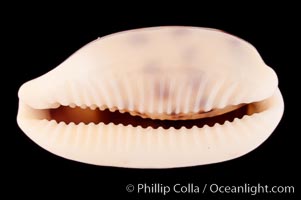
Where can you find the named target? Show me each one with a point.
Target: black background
(40, 40)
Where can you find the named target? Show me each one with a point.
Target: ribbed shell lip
(71, 113)
(137, 147)
(163, 97)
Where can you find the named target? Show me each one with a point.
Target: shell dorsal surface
(186, 71)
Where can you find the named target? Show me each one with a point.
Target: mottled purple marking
(202, 103)
(151, 68)
(180, 32)
(161, 91)
(195, 83)
(138, 39)
(189, 54)
(173, 112)
(234, 42)
(195, 78)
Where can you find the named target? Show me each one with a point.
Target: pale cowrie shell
(156, 97)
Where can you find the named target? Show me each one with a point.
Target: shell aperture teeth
(55, 105)
(93, 114)
(83, 106)
(72, 105)
(93, 107)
